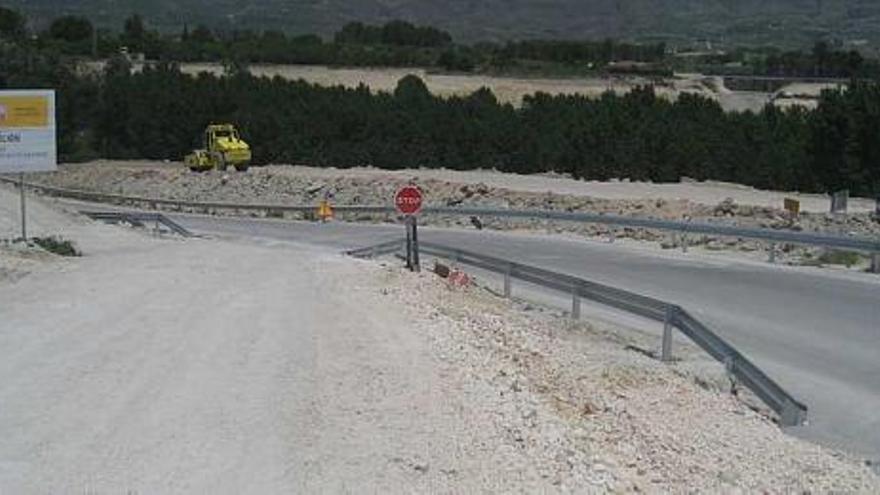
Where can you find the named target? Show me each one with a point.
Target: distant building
(133, 58)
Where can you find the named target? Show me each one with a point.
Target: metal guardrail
(139, 219)
(867, 245)
(378, 250)
(215, 205)
(790, 411)
(773, 235)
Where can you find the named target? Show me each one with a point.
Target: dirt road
(262, 383)
(158, 365)
(229, 366)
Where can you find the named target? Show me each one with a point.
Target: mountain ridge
(752, 22)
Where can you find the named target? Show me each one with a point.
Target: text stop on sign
(408, 200)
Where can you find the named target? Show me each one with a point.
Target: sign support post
(412, 244)
(409, 245)
(23, 208)
(417, 267)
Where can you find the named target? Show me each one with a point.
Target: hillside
(780, 22)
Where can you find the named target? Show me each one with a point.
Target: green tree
(456, 59)
(71, 29)
(134, 34)
(201, 34)
(12, 25)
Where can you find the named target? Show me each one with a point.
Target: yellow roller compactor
(223, 148)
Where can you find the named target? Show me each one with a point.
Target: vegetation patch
(57, 245)
(834, 257)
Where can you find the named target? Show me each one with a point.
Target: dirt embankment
(595, 415)
(285, 185)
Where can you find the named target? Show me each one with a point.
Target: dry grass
(507, 90)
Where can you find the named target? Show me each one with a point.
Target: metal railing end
(793, 414)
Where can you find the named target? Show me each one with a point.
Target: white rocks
(588, 415)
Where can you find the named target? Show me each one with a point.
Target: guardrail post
(729, 365)
(684, 236)
(875, 262)
(575, 302)
(507, 281)
(666, 348)
(791, 415)
(772, 258)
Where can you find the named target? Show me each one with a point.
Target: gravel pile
(285, 185)
(585, 413)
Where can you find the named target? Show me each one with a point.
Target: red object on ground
(459, 279)
(408, 200)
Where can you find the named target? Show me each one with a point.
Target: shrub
(57, 245)
(832, 257)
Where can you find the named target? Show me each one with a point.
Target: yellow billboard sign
(24, 111)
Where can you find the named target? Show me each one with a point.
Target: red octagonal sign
(408, 200)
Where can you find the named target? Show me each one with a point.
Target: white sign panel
(27, 131)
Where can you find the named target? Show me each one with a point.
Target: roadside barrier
(871, 246)
(789, 410)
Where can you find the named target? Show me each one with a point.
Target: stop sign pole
(408, 202)
(412, 244)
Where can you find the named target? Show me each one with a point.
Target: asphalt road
(815, 331)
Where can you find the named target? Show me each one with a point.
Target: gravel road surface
(169, 366)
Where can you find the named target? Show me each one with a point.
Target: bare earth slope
(227, 366)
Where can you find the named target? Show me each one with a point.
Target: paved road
(817, 333)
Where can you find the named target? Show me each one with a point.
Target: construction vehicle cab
(223, 147)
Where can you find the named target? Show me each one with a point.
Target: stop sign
(408, 200)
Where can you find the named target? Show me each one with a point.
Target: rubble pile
(591, 415)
